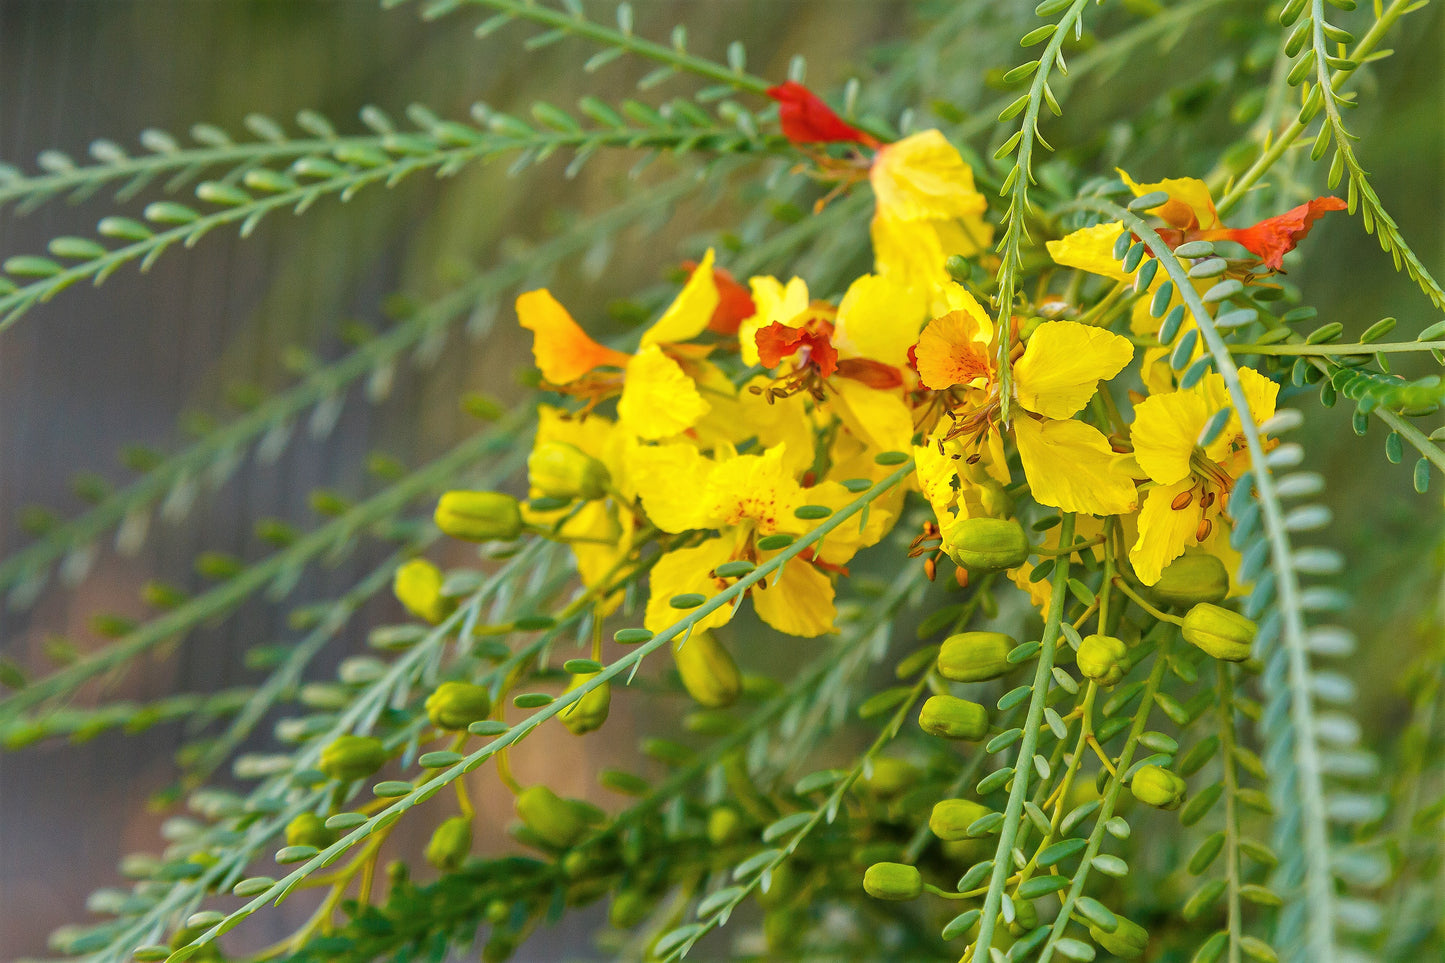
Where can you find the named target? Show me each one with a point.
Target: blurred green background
(98, 369)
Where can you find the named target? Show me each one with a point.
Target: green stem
(1312, 350)
(1234, 914)
(1013, 814)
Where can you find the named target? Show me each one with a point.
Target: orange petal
(561, 348)
(1272, 238)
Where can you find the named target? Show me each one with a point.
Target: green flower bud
(975, 656)
(479, 516)
(556, 821)
(891, 776)
(952, 817)
(589, 712)
(1222, 633)
(456, 705)
(708, 672)
(559, 470)
(450, 843)
(418, 586)
(896, 881)
(1191, 579)
(1103, 659)
(352, 757)
(1026, 916)
(724, 825)
(954, 718)
(986, 544)
(630, 907)
(309, 829)
(1127, 942)
(1157, 787)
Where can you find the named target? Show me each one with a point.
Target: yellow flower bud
(1128, 941)
(309, 829)
(352, 757)
(951, 818)
(1191, 579)
(589, 712)
(896, 881)
(418, 586)
(891, 776)
(708, 672)
(560, 470)
(1103, 659)
(1157, 787)
(456, 705)
(1222, 633)
(975, 656)
(450, 844)
(986, 544)
(954, 718)
(556, 821)
(724, 825)
(479, 516)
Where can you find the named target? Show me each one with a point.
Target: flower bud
(708, 672)
(450, 844)
(1222, 633)
(630, 907)
(975, 656)
(556, 821)
(1157, 787)
(986, 544)
(891, 776)
(1128, 941)
(954, 718)
(589, 712)
(352, 757)
(896, 881)
(724, 825)
(479, 516)
(1103, 659)
(1191, 579)
(559, 470)
(309, 829)
(1026, 916)
(456, 705)
(951, 818)
(418, 586)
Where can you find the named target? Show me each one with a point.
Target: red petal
(734, 305)
(874, 374)
(805, 119)
(776, 342)
(822, 353)
(1271, 239)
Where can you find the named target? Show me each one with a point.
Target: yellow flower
(743, 497)
(927, 209)
(1191, 482)
(1068, 464)
(658, 386)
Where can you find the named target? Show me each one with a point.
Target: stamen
(930, 567)
(1202, 532)
(1181, 501)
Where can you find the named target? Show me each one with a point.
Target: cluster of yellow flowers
(748, 411)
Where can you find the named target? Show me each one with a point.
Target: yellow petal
(1189, 202)
(1091, 249)
(1261, 394)
(658, 399)
(690, 311)
(668, 479)
(776, 303)
(877, 417)
(1063, 364)
(754, 488)
(1070, 466)
(923, 177)
(1164, 532)
(878, 319)
(866, 528)
(1164, 433)
(909, 252)
(560, 347)
(684, 572)
(596, 560)
(799, 601)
